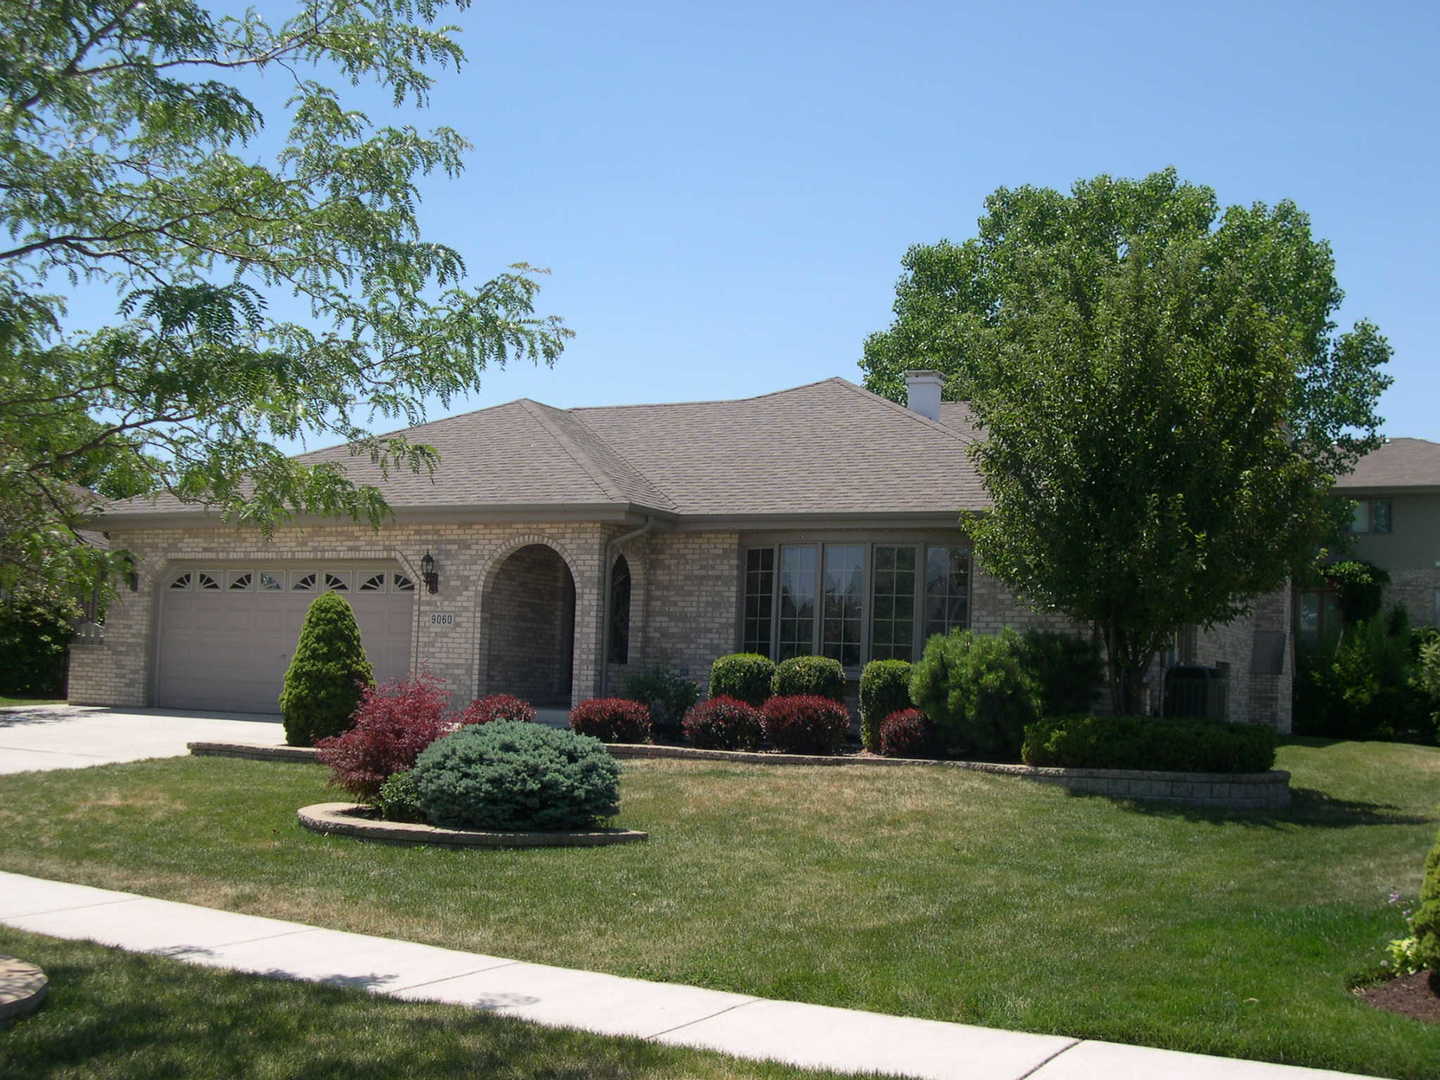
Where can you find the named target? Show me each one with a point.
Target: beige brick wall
(468, 556)
(691, 601)
(1414, 590)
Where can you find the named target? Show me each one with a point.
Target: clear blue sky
(723, 192)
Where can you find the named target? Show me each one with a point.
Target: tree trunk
(1127, 661)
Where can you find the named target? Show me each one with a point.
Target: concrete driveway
(38, 737)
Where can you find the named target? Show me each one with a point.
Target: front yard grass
(919, 891)
(8, 701)
(120, 1016)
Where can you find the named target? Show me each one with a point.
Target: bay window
(852, 601)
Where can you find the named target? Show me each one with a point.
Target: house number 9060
(438, 618)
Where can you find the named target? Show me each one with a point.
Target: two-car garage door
(227, 631)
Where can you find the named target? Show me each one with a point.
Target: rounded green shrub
(884, 689)
(1426, 920)
(976, 690)
(809, 675)
(513, 776)
(327, 674)
(744, 676)
(666, 693)
(399, 798)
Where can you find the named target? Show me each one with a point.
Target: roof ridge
(911, 413)
(576, 452)
(616, 451)
(710, 401)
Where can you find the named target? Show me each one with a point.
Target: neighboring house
(1396, 526)
(572, 546)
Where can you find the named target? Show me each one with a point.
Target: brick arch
(547, 673)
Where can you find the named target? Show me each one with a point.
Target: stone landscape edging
(23, 987)
(1235, 791)
(341, 819)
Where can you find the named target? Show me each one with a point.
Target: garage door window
(299, 581)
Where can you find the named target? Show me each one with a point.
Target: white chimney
(924, 392)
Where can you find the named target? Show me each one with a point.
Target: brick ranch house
(572, 546)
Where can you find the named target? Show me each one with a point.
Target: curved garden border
(343, 819)
(23, 987)
(1234, 791)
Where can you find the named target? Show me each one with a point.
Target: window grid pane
(947, 590)
(844, 584)
(759, 599)
(892, 619)
(797, 602)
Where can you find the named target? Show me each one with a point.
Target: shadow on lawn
(1309, 808)
(222, 1025)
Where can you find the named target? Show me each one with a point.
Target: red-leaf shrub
(612, 720)
(495, 707)
(907, 733)
(805, 724)
(393, 723)
(723, 723)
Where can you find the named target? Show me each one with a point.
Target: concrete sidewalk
(809, 1035)
(35, 737)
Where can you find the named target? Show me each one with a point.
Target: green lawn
(4, 701)
(117, 1016)
(923, 891)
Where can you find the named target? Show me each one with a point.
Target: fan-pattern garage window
(278, 581)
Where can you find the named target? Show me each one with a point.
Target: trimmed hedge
(807, 675)
(884, 689)
(907, 733)
(487, 710)
(612, 720)
(743, 676)
(327, 674)
(724, 723)
(805, 724)
(978, 692)
(513, 775)
(1426, 920)
(1143, 742)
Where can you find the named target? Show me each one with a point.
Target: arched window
(620, 612)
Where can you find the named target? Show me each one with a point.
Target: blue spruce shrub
(513, 776)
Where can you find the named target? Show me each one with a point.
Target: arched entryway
(530, 608)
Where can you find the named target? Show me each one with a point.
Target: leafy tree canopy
(1163, 395)
(132, 162)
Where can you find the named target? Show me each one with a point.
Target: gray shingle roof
(1399, 463)
(825, 448)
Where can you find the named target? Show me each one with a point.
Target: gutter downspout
(606, 582)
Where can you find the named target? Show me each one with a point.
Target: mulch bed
(1416, 996)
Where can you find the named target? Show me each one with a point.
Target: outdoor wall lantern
(428, 572)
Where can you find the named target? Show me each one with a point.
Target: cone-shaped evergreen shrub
(1426, 921)
(512, 775)
(327, 674)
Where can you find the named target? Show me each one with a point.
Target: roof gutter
(606, 581)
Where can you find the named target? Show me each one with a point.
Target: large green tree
(133, 164)
(1163, 396)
